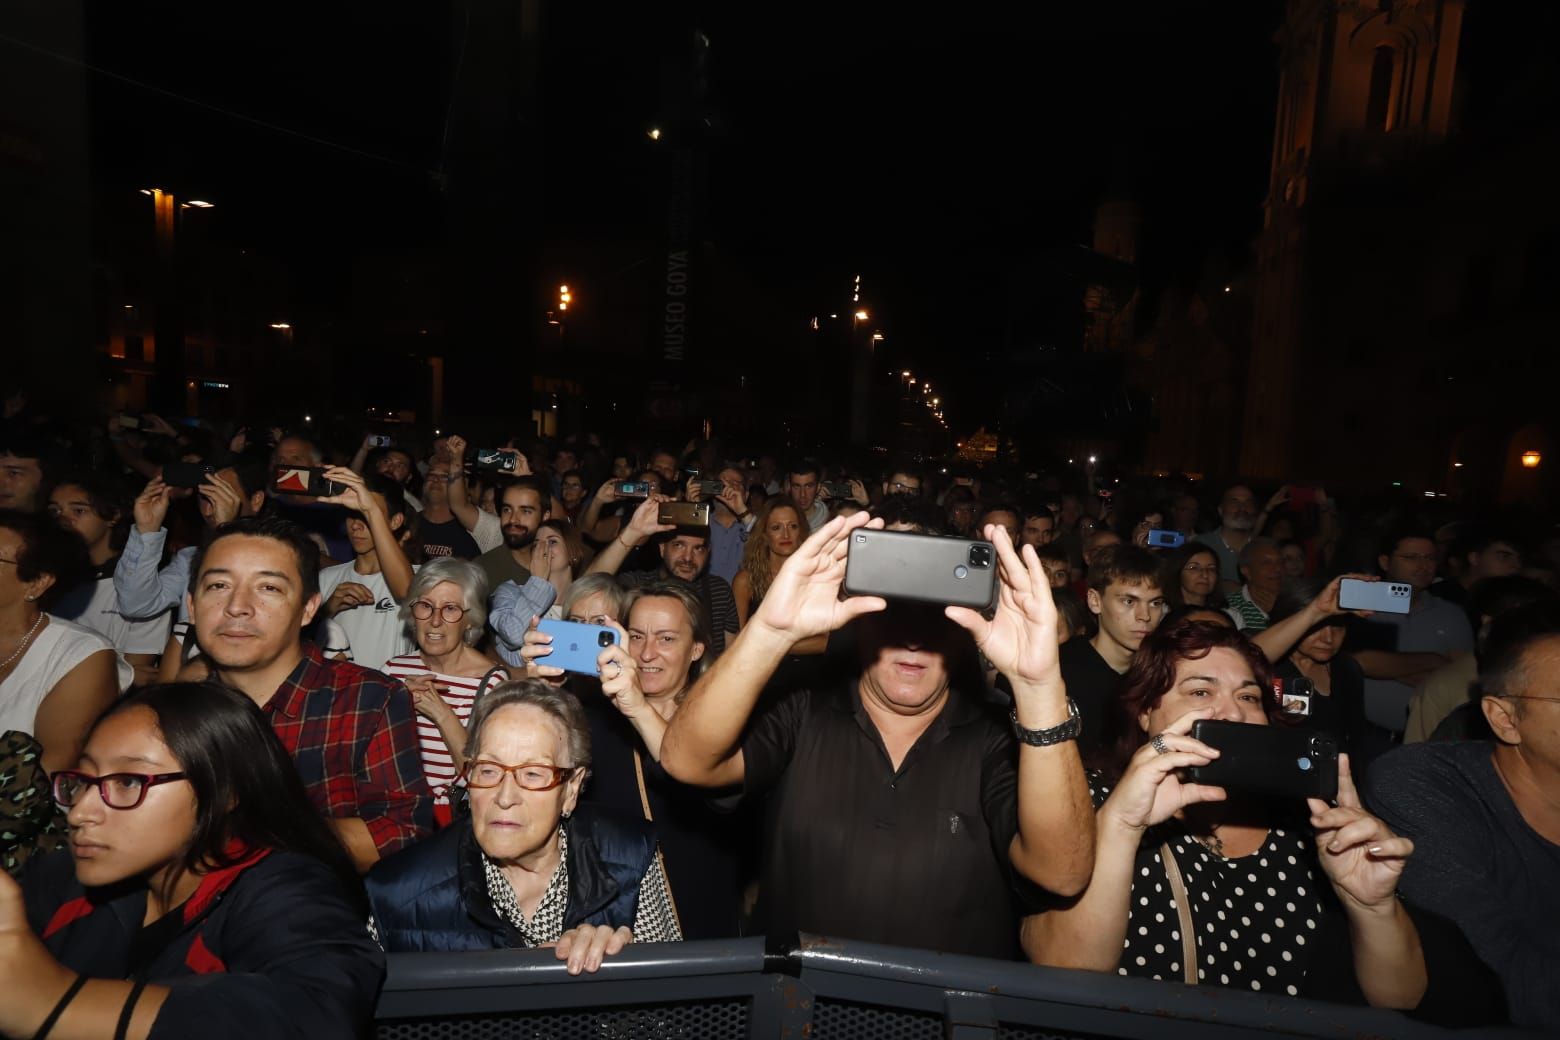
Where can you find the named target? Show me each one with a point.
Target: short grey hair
(1249, 550)
(558, 704)
(473, 593)
(597, 584)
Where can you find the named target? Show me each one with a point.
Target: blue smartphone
(1386, 597)
(575, 646)
(1166, 539)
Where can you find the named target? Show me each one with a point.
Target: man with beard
(685, 557)
(522, 506)
(1237, 521)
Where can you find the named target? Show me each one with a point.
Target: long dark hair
(1152, 673)
(247, 789)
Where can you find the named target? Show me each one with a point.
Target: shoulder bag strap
(1183, 909)
(487, 682)
(644, 803)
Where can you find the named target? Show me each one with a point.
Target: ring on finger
(1160, 747)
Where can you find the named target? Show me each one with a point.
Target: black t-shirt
(914, 857)
(1093, 685)
(701, 846)
(441, 541)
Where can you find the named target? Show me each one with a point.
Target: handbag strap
(644, 803)
(1183, 909)
(484, 685)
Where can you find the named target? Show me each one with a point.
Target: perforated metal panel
(712, 1020)
(839, 1020)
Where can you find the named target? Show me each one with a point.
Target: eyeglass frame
(148, 781)
(440, 610)
(561, 774)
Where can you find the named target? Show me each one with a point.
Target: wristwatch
(1068, 730)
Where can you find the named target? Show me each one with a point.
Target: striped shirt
(460, 693)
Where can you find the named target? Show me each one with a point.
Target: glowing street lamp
(1531, 459)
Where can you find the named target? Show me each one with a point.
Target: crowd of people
(253, 739)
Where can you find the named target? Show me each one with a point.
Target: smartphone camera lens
(980, 556)
(603, 638)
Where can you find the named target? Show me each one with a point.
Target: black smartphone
(710, 489)
(377, 440)
(307, 481)
(684, 514)
(1268, 760)
(186, 474)
(129, 422)
(632, 489)
(838, 488)
(498, 459)
(903, 565)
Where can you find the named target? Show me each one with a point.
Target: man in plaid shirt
(351, 731)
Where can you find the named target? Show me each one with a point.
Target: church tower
(1365, 87)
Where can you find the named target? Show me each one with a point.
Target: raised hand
(1150, 791)
(151, 506)
(644, 525)
(34, 980)
(1326, 602)
(1020, 640)
(220, 503)
(620, 680)
(356, 496)
(733, 498)
(455, 444)
(858, 493)
(1363, 858)
(804, 598)
(239, 442)
(535, 646)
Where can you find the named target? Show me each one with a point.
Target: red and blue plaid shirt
(353, 736)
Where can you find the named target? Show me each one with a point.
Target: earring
(31, 598)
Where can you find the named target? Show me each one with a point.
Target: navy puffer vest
(433, 896)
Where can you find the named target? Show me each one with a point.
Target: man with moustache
(1237, 524)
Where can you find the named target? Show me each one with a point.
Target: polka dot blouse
(1256, 917)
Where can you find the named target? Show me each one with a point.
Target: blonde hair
(760, 563)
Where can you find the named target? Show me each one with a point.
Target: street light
(655, 133)
(281, 326)
(862, 315)
(199, 204)
(1531, 459)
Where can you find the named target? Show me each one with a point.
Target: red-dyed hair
(1152, 673)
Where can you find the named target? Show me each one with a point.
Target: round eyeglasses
(118, 790)
(533, 776)
(422, 610)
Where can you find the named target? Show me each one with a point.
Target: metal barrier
(819, 989)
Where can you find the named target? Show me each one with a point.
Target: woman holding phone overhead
(1210, 886)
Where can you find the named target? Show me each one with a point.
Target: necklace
(23, 644)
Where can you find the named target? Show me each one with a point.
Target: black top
(1093, 685)
(1478, 862)
(442, 541)
(700, 845)
(856, 850)
(1341, 712)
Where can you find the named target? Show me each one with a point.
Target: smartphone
(1166, 539)
(1269, 760)
(928, 568)
(499, 459)
(186, 474)
(838, 488)
(308, 481)
(684, 514)
(1295, 695)
(575, 646)
(1301, 498)
(710, 489)
(129, 422)
(632, 489)
(1388, 597)
(380, 441)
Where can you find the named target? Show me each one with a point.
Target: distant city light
(861, 315)
(1531, 459)
(1457, 465)
(199, 204)
(280, 326)
(877, 337)
(655, 133)
(1226, 288)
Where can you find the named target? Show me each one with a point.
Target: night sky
(930, 152)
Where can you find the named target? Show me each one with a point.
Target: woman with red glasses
(530, 866)
(203, 894)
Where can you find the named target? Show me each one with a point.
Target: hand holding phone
(304, 481)
(577, 647)
(927, 568)
(632, 489)
(1166, 539)
(1388, 597)
(684, 514)
(498, 459)
(1268, 760)
(185, 474)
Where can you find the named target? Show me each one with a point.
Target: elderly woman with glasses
(530, 866)
(446, 611)
(203, 894)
